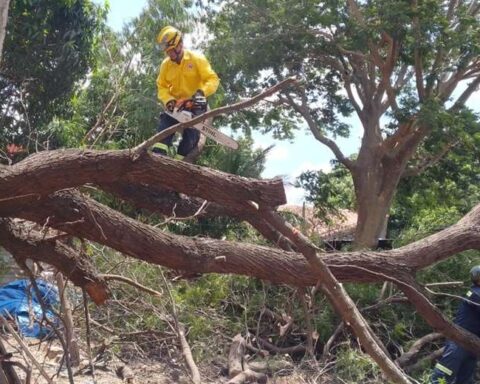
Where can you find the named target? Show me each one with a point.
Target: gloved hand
(199, 98)
(170, 105)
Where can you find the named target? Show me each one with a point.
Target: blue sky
(287, 159)
(122, 11)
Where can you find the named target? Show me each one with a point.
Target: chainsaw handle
(184, 104)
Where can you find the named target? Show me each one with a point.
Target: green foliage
(248, 62)
(325, 322)
(426, 222)
(259, 42)
(208, 291)
(245, 161)
(363, 294)
(440, 195)
(55, 41)
(399, 331)
(329, 192)
(355, 367)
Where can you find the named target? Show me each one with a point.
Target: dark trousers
(457, 366)
(190, 136)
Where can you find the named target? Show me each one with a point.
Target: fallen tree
(41, 190)
(34, 190)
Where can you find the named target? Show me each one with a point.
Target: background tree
(406, 68)
(55, 42)
(3, 15)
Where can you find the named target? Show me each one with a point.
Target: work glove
(170, 105)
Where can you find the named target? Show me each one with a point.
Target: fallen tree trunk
(26, 192)
(33, 245)
(79, 215)
(49, 171)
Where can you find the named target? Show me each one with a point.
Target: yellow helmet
(169, 38)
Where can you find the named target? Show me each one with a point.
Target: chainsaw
(182, 114)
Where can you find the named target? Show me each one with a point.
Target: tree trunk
(3, 23)
(375, 179)
(26, 192)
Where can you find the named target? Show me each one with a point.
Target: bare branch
(303, 110)
(25, 348)
(462, 99)
(406, 358)
(131, 282)
(429, 161)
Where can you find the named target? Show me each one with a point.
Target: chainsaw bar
(207, 130)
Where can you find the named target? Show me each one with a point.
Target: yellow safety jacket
(181, 81)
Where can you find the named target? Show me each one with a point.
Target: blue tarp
(18, 298)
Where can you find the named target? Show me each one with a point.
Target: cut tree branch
(71, 263)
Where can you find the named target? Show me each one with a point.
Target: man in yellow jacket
(183, 75)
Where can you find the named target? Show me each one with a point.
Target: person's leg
(189, 141)
(190, 136)
(467, 370)
(163, 147)
(448, 366)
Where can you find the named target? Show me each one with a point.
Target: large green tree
(49, 46)
(405, 67)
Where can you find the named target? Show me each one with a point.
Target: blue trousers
(190, 136)
(457, 366)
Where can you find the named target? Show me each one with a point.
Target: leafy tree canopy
(49, 46)
(396, 64)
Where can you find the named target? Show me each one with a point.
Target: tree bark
(86, 218)
(49, 171)
(26, 192)
(32, 245)
(3, 23)
(375, 179)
